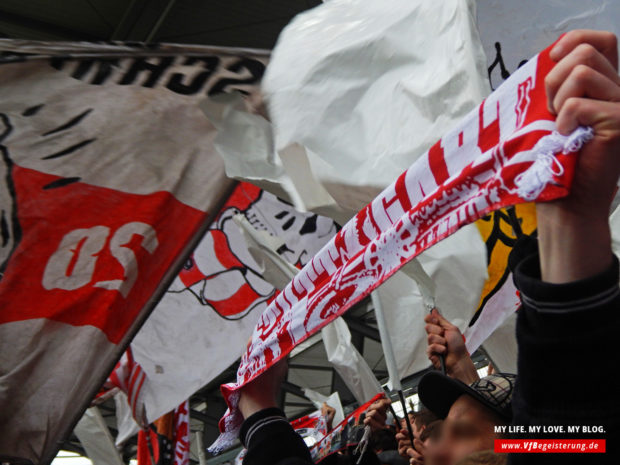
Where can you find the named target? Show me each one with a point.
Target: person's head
(470, 413)
(431, 433)
(421, 420)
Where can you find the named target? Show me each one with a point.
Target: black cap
(438, 392)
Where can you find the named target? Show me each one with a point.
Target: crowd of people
(566, 327)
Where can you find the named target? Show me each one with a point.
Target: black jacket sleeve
(270, 440)
(569, 357)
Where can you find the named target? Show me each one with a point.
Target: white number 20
(73, 264)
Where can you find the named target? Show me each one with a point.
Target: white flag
(348, 362)
(95, 437)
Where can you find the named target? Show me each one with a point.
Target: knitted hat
(438, 392)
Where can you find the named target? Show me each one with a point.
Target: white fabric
(245, 143)
(262, 246)
(333, 400)
(457, 266)
(504, 303)
(125, 424)
(366, 86)
(95, 437)
(109, 125)
(393, 383)
(173, 344)
(32, 399)
(501, 346)
(348, 362)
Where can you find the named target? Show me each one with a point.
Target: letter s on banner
(72, 265)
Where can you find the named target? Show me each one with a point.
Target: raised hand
(444, 338)
(376, 415)
(583, 89)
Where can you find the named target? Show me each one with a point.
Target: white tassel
(362, 445)
(533, 181)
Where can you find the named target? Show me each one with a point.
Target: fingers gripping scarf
(504, 152)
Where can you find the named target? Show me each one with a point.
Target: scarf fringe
(533, 181)
(362, 445)
(232, 426)
(225, 441)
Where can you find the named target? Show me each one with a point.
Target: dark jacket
(271, 440)
(569, 352)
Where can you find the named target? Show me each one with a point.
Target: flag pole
(390, 360)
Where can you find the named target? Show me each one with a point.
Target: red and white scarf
(504, 152)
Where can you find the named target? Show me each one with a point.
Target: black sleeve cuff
(584, 294)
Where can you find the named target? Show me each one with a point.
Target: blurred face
(414, 429)
(468, 428)
(435, 433)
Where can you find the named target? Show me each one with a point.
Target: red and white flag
(166, 441)
(203, 322)
(108, 176)
(505, 152)
(312, 425)
(347, 433)
(129, 377)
